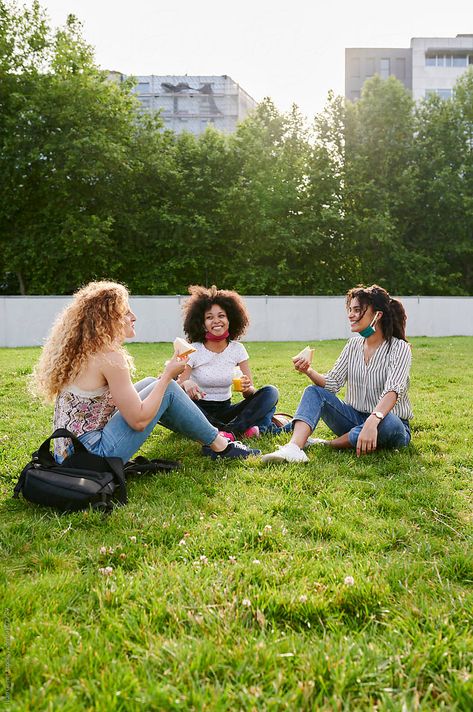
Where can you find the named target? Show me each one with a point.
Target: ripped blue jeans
(318, 403)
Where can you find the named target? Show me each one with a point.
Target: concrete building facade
(361, 63)
(437, 62)
(429, 65)
(191, 103)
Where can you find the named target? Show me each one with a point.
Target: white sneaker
(315, 441)
(286, 453)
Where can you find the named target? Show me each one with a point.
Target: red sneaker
(252, 432)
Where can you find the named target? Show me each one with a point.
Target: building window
(442, 93)
(400, 68)
(142, 87)
(384, 68)
(355, 67)
(369, 67)
(446, 60)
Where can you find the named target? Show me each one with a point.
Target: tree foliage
(380, 190)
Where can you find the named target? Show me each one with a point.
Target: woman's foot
(233, 450)
(315, 441)
(286, 453)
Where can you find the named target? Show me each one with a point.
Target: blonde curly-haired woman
(87, 372)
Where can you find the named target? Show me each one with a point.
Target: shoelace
(239, 444)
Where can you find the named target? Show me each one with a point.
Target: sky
(291, 51)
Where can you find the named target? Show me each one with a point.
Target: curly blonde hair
(93, 322)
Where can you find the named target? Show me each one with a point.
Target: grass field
(228, 585)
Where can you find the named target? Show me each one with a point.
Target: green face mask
(369, 330)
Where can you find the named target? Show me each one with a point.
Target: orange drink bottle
(236, 382)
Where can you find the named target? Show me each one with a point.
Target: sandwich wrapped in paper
(182, 348)
(306, 354)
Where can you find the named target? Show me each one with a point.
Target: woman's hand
(174, 367)
(247, 387)
(368, 438)
(301, 365)
(193, 390)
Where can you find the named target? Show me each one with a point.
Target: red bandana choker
(211, 337)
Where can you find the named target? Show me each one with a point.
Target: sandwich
(306, 354)
(182, 348)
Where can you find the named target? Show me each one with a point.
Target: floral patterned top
(80, 412)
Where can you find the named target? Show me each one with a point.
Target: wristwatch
(378, 414)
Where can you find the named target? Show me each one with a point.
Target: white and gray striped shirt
(387, 370)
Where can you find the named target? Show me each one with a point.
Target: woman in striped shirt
(375, 367)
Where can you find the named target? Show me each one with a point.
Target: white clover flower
(106, 571)
(232, 559)
(284, 531)
(246, 602)
(182, 542)
(103, 549)
(256, 561)
(303, 598)
(349, 581)
(204, 559)
(268, 528)
(133, 539)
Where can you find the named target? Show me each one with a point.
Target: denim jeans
(177, 412)
(317, 402)
(258, 409)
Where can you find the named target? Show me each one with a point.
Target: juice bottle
(236, 382)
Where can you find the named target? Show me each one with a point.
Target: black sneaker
(235, 449)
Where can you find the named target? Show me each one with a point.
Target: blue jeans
(177, 412)
(258, 409)
(317, 402)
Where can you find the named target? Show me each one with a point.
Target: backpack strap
(141, 465)
(43, 455)
(21, 481)
(116, 465)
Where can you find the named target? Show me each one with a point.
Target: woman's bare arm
(137, 413)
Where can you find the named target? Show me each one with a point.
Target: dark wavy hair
(202, 299)
(393, 321)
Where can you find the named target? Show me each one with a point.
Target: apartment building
(429, 65)
(191, 103)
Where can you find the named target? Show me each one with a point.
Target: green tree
(65, 136)
(261, 210)
(379, 185)
(442, 232)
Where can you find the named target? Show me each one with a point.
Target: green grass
(180, 625)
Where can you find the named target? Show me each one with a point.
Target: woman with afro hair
(214, 320)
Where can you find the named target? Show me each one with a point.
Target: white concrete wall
(25, 321)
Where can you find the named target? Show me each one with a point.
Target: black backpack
(81, 480)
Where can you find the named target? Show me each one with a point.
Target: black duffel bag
(82, 480)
